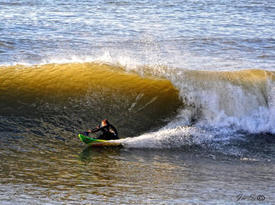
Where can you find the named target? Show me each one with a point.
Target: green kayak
(97, 142)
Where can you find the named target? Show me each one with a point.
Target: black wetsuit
(109, 132)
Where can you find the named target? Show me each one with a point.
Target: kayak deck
(97, 142)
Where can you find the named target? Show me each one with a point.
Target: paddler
(109, 132)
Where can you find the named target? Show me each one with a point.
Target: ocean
(190, 86)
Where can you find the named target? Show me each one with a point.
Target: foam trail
(168, 138)
(175, 134)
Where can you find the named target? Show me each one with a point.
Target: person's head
(104, 122)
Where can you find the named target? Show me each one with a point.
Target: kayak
(98, 142)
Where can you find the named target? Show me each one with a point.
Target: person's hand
(89, 131)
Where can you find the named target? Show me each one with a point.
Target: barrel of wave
(87, 91)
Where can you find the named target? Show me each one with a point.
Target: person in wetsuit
(109, 132)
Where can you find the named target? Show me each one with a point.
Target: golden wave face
(81, 94)
(75, 79)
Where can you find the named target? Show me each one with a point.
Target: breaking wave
(151, 106)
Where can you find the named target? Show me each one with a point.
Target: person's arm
(114, 129)
(98, 128)
(93, 130)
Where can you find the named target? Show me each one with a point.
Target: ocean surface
(190, 86)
